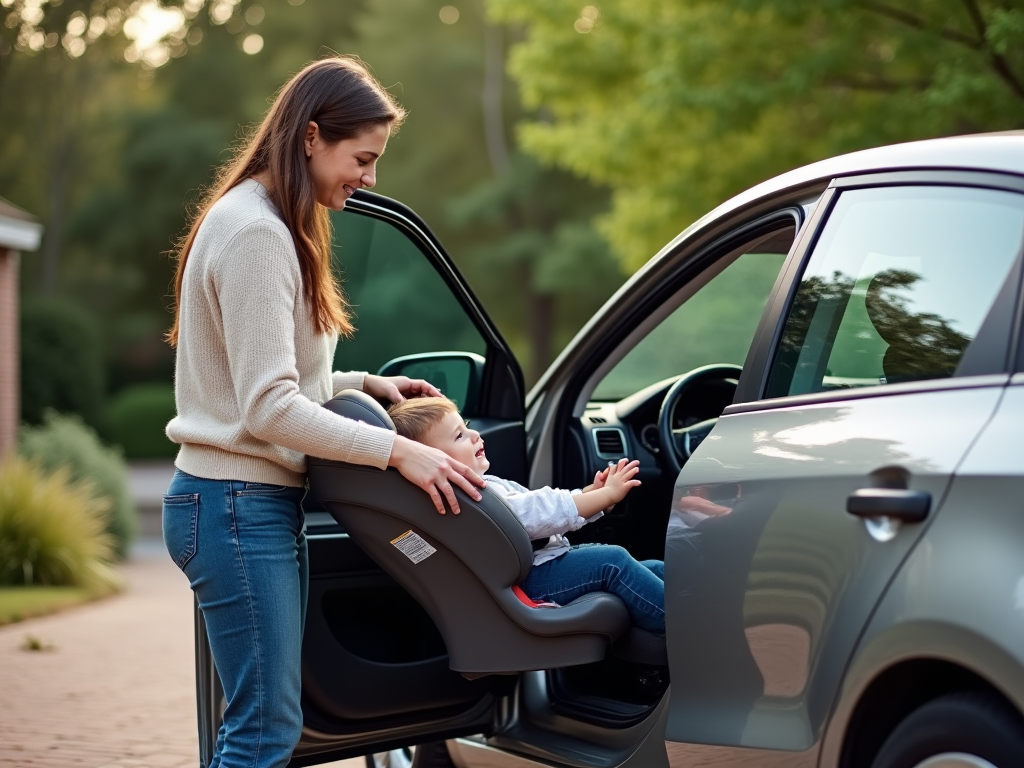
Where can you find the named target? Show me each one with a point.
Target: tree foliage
(61, 361)
(535, 235)
(676, 106)
(110, 133)
(63, 443)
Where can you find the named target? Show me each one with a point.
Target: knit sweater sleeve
(257, 281)
(347, 380)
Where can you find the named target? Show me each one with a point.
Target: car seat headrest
(359, 406)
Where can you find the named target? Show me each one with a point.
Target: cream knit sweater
(251, 372)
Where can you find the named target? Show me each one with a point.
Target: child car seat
(462, 568)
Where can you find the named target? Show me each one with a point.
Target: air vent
(598, 419)
(611, 443)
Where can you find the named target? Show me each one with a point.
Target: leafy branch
(978, 44)
(916, 22)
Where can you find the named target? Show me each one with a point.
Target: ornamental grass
(64, 440)
(53, 530)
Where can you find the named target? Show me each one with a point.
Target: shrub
(52, 529)
(64, 440)
(61, 361)
(136, 418)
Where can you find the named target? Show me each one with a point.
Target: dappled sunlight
(148, 28)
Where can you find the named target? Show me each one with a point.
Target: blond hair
(415, 417)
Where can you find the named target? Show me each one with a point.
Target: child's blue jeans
(243, 547)
(603, 568)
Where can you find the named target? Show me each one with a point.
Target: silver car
(823, 380)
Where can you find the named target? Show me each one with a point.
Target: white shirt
(545, 512)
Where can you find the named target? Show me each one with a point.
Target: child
(560, 573)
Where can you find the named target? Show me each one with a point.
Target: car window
(897, 287)
(715, 325)
(402, 306)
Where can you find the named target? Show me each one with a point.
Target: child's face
(452, 436)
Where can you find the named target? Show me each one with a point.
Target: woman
(257, 317)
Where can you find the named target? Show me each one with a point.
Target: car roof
(999, 152)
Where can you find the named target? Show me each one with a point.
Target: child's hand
(600, 479)
(620, 478)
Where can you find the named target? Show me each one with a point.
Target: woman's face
(339, 169)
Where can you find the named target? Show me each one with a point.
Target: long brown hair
(344, 100)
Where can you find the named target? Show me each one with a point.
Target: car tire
(960, 730)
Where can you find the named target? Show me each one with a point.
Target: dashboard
(628, 428)
(609, 431)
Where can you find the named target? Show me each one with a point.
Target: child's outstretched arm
(620, 480)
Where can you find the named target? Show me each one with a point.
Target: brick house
(19, 231)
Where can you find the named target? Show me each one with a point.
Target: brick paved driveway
(117, 688)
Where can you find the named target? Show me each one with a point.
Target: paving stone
(117, 686)
(117, 689)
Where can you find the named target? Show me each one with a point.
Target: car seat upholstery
(466, 583)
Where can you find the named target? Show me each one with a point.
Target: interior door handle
(904, 505)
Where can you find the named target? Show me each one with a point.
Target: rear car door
(882, 359)
(375, 669)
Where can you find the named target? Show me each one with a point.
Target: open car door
(375, 669)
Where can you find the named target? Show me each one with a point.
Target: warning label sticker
(413, 546)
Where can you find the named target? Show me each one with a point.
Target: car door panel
(372, 658)
(778, 612)
(769, 579)
(958, 597)
(387, 658)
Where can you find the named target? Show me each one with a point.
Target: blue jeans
(243, 547)
(603, 568)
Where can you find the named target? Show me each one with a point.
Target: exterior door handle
(903, 505)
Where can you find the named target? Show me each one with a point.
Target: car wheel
(961, 730)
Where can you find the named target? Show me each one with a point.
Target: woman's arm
(255, 283)
(391, 388)
(434, 471)
(257, 309)
(398, 388)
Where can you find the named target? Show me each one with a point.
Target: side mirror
(457, 374)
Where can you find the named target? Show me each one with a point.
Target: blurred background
(552, 146)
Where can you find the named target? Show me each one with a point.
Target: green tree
(61, 362)
(109, 142)
(534, 233)
(110, 138)
(676, 106)
(507, 221)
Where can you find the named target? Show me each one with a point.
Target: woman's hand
(396, 388)
(434, 471)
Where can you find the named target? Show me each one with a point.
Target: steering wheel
(678, 444)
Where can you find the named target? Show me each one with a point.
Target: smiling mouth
(479, 453)
(349, 190)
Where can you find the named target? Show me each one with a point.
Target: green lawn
(17, 603)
